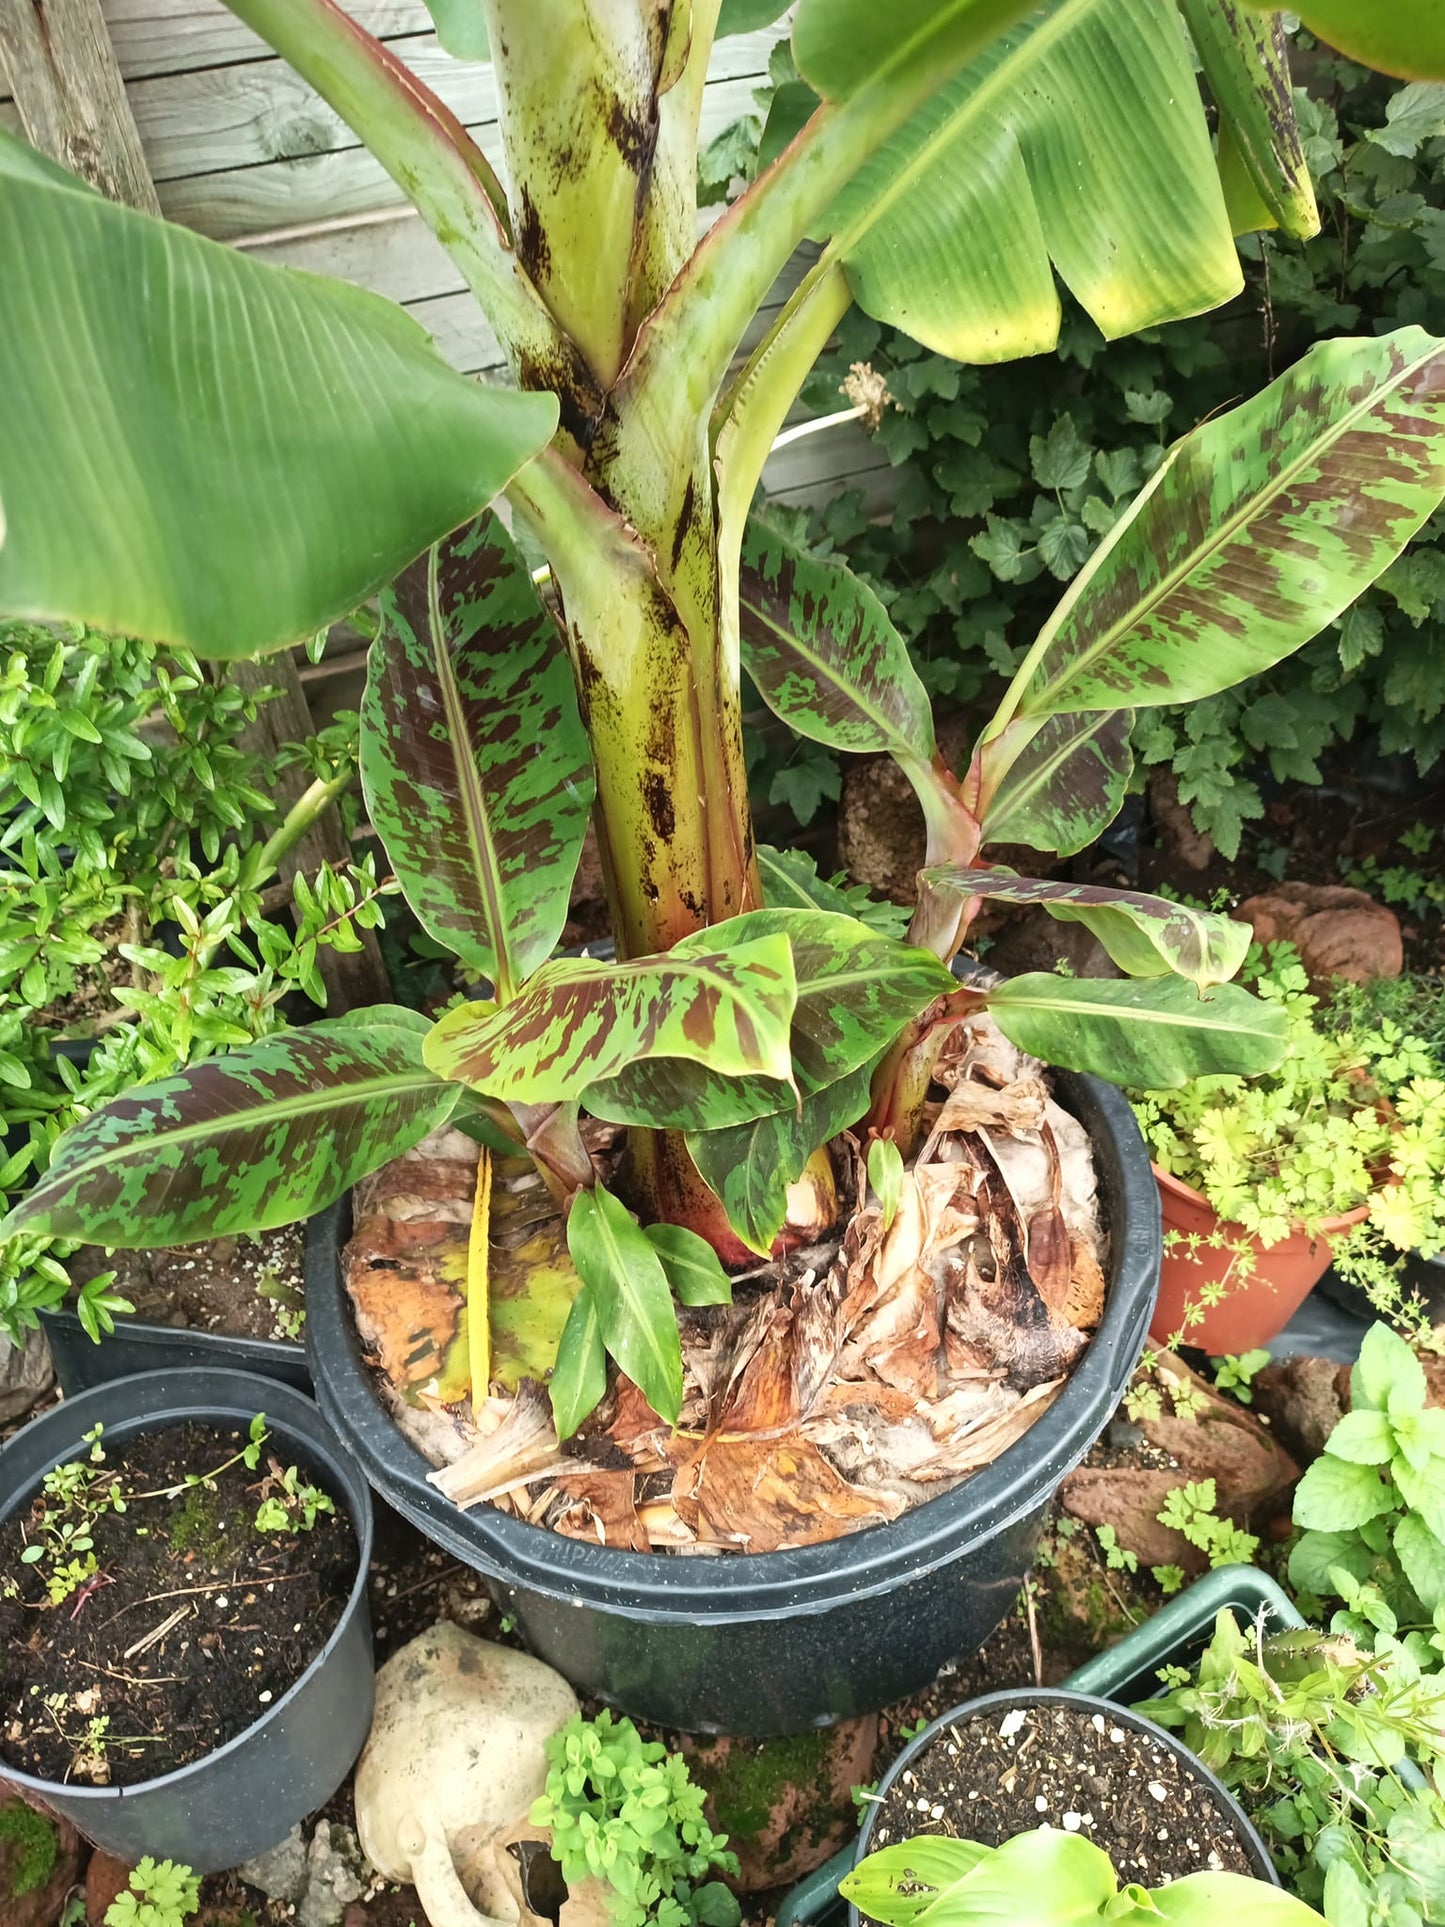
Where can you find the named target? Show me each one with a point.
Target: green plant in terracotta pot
(1338, 1152)
(241, 455)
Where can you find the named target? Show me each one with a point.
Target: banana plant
(203, 450)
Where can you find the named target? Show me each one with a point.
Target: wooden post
(59, 64)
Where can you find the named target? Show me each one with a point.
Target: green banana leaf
(1146, 1033)
(197, 448)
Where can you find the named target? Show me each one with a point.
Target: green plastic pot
(1175, 1636)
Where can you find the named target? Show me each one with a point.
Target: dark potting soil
(244, 1287)
(1006, 1771)
(197, 1624)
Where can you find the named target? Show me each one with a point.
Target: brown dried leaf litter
(847, 1382)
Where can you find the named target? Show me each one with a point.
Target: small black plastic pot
(136, 1345)
(1174, 1636)
(245, 1797)
(778, 1642)
(1239, 1823)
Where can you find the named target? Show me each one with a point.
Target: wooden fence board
(180, 36)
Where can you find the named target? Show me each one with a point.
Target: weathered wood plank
(234, 202)
(177, 36)
(204, 122)
(58, 65)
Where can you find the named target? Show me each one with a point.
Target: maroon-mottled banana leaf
(474, 761)
(725, 1005)
(260, 1137)
(856, 991)
(1147, 1033)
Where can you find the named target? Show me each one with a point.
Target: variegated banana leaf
(1149, 1034)
(954, 228)
(827, 661)
(625, 1282)
(728, 1005)
(474, 761)
(1147, 936)
(1259, 528)
(260, 1137)
(197, 448)
(1246, 62)
(856, 991)
(1063, 787)
(750, 1166)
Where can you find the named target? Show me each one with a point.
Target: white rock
(455, 1756)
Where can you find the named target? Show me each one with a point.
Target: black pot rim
(199, 1407)
(1009, 1698)
(743, 1586)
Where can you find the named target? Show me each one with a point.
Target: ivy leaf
(1413, 115)
(1337, 1496)
(1001, 546)
(1064, 547)
(623, 1276)
(1061, 459)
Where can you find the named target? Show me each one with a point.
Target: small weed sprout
(161, 1894)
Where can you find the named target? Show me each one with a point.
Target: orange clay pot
(1254, 1310)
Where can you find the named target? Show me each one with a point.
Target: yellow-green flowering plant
(1352, 1115)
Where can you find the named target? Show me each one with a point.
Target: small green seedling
(292, 1504)
(161, 1894)
(1190, 1509)
(1045, 1877)
(1236, 1374)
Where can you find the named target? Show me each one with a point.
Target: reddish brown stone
(105, 1877)
(1339, 932)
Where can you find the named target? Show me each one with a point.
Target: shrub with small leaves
(625, 1811)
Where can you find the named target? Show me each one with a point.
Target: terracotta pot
(1255, 1310)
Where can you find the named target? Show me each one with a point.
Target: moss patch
(30, 1843)
(197, 1526)
(748, 1783)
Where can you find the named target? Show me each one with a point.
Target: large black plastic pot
(138, 1345)
(246, 1796)
(775, 1642)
